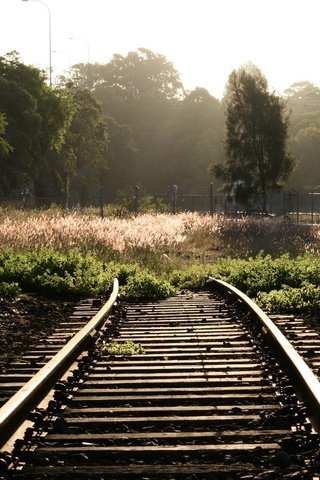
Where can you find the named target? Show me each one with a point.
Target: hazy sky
(204, 39)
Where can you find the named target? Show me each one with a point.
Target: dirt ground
(24, 321)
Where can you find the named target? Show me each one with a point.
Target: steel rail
(306, 381)
(11, 413)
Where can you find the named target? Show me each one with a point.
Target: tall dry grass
(183, 234)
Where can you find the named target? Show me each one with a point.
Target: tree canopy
(131, 121)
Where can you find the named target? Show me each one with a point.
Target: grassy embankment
(74, 254)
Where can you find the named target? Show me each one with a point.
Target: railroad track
(206, 399)
(15, 373)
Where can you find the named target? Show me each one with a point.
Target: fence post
(174, 198)
(136, 198)
(101, 201)
(211, 199)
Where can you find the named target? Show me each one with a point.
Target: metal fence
(300, 206)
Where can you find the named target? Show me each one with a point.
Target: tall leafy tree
(121, 158)
(83, 157)
(304, 101)
(256, 136)
(142, 90)
(306, 146)
(5, 148)
(139, 73)
(177, 135)
(198, 134)
(37, 118)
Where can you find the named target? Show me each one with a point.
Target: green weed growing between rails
(127, 348)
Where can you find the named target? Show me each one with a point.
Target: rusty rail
(306, 381)
(12, 412)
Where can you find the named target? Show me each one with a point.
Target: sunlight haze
(204, 39)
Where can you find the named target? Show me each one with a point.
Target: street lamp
(88, 56)
(49, 18)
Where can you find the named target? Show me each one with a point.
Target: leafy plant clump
(289, 299)
(74, 274)
(9, 291)
(127, 348)
(145, 286)
(53, 273)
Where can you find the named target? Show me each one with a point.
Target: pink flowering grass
(181, 235)
(153, 232)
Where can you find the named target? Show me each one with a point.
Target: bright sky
(204, 39)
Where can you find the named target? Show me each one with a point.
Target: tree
(5, 148)
(83, 160)
(303, 98)
(37, 118)
(197, 137)
(140, 73)
(122, 159)
(304, 101)
(142, 90)
(306, 147)
(256, 136)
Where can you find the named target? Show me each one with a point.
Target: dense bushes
(288, 299)
(278, 284)
(76, 274)
(9, 291)
(147, 286)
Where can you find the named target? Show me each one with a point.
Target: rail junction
(215, 392)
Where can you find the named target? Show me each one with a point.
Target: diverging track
(208, 399)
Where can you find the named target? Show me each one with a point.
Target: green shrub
(263, 273)
(9, 291)
(289, 299)
(195, 276)
(144, 286)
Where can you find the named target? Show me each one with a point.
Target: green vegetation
(49, 272)
(127, 348)
(9, 291)
(146, 286)
(132, 123)
(305, 298)
(282, 283)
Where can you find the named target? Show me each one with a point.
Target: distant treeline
(124, 123)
